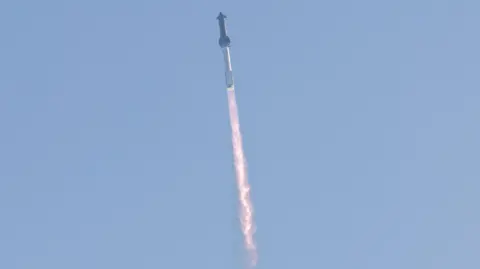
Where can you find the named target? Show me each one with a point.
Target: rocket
(224, 42)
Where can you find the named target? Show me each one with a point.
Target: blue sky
(360, 125)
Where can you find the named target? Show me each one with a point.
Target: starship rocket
(224, 42)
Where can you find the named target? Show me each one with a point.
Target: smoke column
(246, 208)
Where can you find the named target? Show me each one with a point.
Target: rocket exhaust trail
(246, 207)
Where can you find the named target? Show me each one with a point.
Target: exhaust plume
(246, 207)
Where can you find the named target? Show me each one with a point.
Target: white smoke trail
(246, 208)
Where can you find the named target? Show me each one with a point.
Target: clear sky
(360, 123)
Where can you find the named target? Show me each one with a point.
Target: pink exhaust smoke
(246, 208)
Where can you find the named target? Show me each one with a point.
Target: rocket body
(228, 68)
(224, 42)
